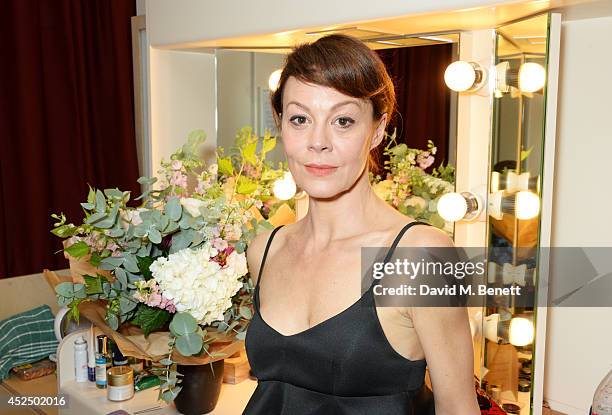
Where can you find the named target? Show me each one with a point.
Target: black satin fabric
(343, 365)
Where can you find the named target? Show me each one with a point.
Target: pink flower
(219, 244)
(154, 300)
(177, 165)
(425, 160)
(179, 179)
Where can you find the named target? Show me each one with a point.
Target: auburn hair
(346, 64)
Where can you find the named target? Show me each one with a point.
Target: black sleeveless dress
(343, 365)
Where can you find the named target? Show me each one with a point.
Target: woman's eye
(298, 120)
(345, 122)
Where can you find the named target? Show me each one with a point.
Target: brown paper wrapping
(81, 266)
(132, 342)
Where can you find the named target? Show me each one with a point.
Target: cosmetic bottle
(80, 359)
(102, 362)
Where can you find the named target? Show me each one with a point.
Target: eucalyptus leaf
(173, 209)
(189, 344)
(121, 276)
(111, 263)
(154, 236)
(100, 202)
(183, 324)
(172, 226)
(165, 362)
(88, 206)
(110, 219)
(112, 321)
(170, 395)
(130, 263)
(114, 193)
(116, 232)
(127, 304)
(241, 335)
(147, 180)
(140, 231)
(96, 217)
(65, 289)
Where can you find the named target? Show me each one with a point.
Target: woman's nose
(319, 140)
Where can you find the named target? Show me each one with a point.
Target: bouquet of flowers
(177, 260)
(409, 188)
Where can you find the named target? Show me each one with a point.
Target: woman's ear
(379, 133)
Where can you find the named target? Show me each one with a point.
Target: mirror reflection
(416, 162)
(513, 220)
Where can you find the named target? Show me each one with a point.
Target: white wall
(241, 76)
(579, 341)
(183, 97)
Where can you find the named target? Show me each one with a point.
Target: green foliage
(150, 318)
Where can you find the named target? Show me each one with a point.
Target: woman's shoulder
(255, 252)
(425, 236)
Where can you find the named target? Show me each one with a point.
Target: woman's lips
(320, 170)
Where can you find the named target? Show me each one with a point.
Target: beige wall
(204, 20)
(579, 341)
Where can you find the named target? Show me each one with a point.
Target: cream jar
(120, 383)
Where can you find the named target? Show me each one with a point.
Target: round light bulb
(285, 188)
(460, 76)
(521, 331)
(452, 207)
(532, 77)
(527, 205)
(274, 79)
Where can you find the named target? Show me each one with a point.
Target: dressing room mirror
(426, 108)
(513, 223)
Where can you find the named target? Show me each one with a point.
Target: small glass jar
(120, 383)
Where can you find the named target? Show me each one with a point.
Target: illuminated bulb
(452, 207)
(532, 77)
(462, 76)
(521, 331)
(274, 79)
(527, 205)
(284, 188)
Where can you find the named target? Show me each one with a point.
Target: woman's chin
(323, 191)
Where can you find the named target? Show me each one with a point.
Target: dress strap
(399, 236)
(263, 260)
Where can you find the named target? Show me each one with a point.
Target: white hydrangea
(198, 285)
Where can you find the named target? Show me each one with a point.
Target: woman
(315, 343)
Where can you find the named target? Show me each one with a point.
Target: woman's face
(327, 137)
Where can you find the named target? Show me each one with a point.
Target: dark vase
(201, 386)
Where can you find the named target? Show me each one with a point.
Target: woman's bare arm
(444, 334)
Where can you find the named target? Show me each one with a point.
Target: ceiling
(409, 30)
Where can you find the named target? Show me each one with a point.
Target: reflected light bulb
(460, 76)
(285, 188)
(532, 77)
(274, 79)
(527, 205)
(452, 207)
(521, 331)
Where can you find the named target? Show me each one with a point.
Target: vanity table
(85, 398)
